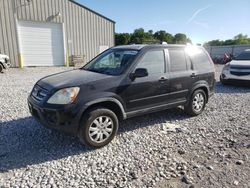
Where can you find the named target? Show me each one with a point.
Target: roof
(72, 1)
(131, 47)
(141, 46)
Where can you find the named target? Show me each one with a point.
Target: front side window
(177, 60)
(112, 62)
(153, 61)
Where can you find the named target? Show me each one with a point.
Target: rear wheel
(197, 103)
(98, 127)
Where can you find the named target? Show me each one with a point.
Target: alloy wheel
(198, 102)
(101, 129)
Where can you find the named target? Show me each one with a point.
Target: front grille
(39, 93)
(236, 73)
(240, 67)
(240, 70)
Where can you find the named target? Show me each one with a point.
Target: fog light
(223, 76)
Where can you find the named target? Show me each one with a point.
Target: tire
(222, 81)
(98, 127)
(1, 68)
(197, 103)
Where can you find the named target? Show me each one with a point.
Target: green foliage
(237, 40)
(122, 38)
(139, 36)
(180, 38)
(164, 36)
(242, 39)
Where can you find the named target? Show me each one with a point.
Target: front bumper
(227, 78)
(64, 118)
(6, 64)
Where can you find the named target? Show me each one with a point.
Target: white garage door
(41, 44)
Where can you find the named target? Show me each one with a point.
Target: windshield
(112, 62)
(243, 56)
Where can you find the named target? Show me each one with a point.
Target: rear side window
(153, 61)
(199, 59)
(177, 60)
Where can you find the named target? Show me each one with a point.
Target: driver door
(149, 91)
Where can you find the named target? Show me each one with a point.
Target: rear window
(199, 58)
(177, 60)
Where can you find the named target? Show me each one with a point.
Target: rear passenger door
(181, 75)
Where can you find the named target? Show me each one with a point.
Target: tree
(229, 42)
(122, 38)
(237, 40)
(241, 39)
(180, 38)
(139, 36)
(214, 43)
(164, 36)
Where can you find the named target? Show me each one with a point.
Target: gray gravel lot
(165, 149)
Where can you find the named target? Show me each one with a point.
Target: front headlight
(226, 67)
(64, 96)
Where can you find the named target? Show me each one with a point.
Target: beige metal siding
(8, 35)
(85, 30)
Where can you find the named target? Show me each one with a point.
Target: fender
(4, 61)
(3, 64)
(198, 85)
(105, 99)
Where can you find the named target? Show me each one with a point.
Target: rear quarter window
(200, 59)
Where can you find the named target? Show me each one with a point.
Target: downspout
(20, 57)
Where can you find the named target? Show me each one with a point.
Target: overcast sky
(201, 20)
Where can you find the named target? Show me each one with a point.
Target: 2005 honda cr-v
(120, 83)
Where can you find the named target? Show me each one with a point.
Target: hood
(71, 78)
(240, 63)
(2, 56)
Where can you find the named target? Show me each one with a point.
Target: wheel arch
(203, 86)
(110, 103)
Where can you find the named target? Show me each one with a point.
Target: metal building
(49, 32)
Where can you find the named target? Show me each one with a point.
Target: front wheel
(1, 68)
(222, 81)
(98, 127)
(197, 103)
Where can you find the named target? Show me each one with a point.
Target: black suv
(120, 83)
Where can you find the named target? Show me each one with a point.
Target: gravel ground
(165, 149)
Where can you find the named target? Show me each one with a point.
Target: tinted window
(153, 61)
(199, 58)
(112, 62)
(177, 60)
(243, 56)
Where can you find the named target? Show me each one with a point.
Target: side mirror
(139, 73)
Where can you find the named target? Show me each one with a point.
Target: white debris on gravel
(211, 150)
(170, 127)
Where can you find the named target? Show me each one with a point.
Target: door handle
(162, 79)
(193, 75)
